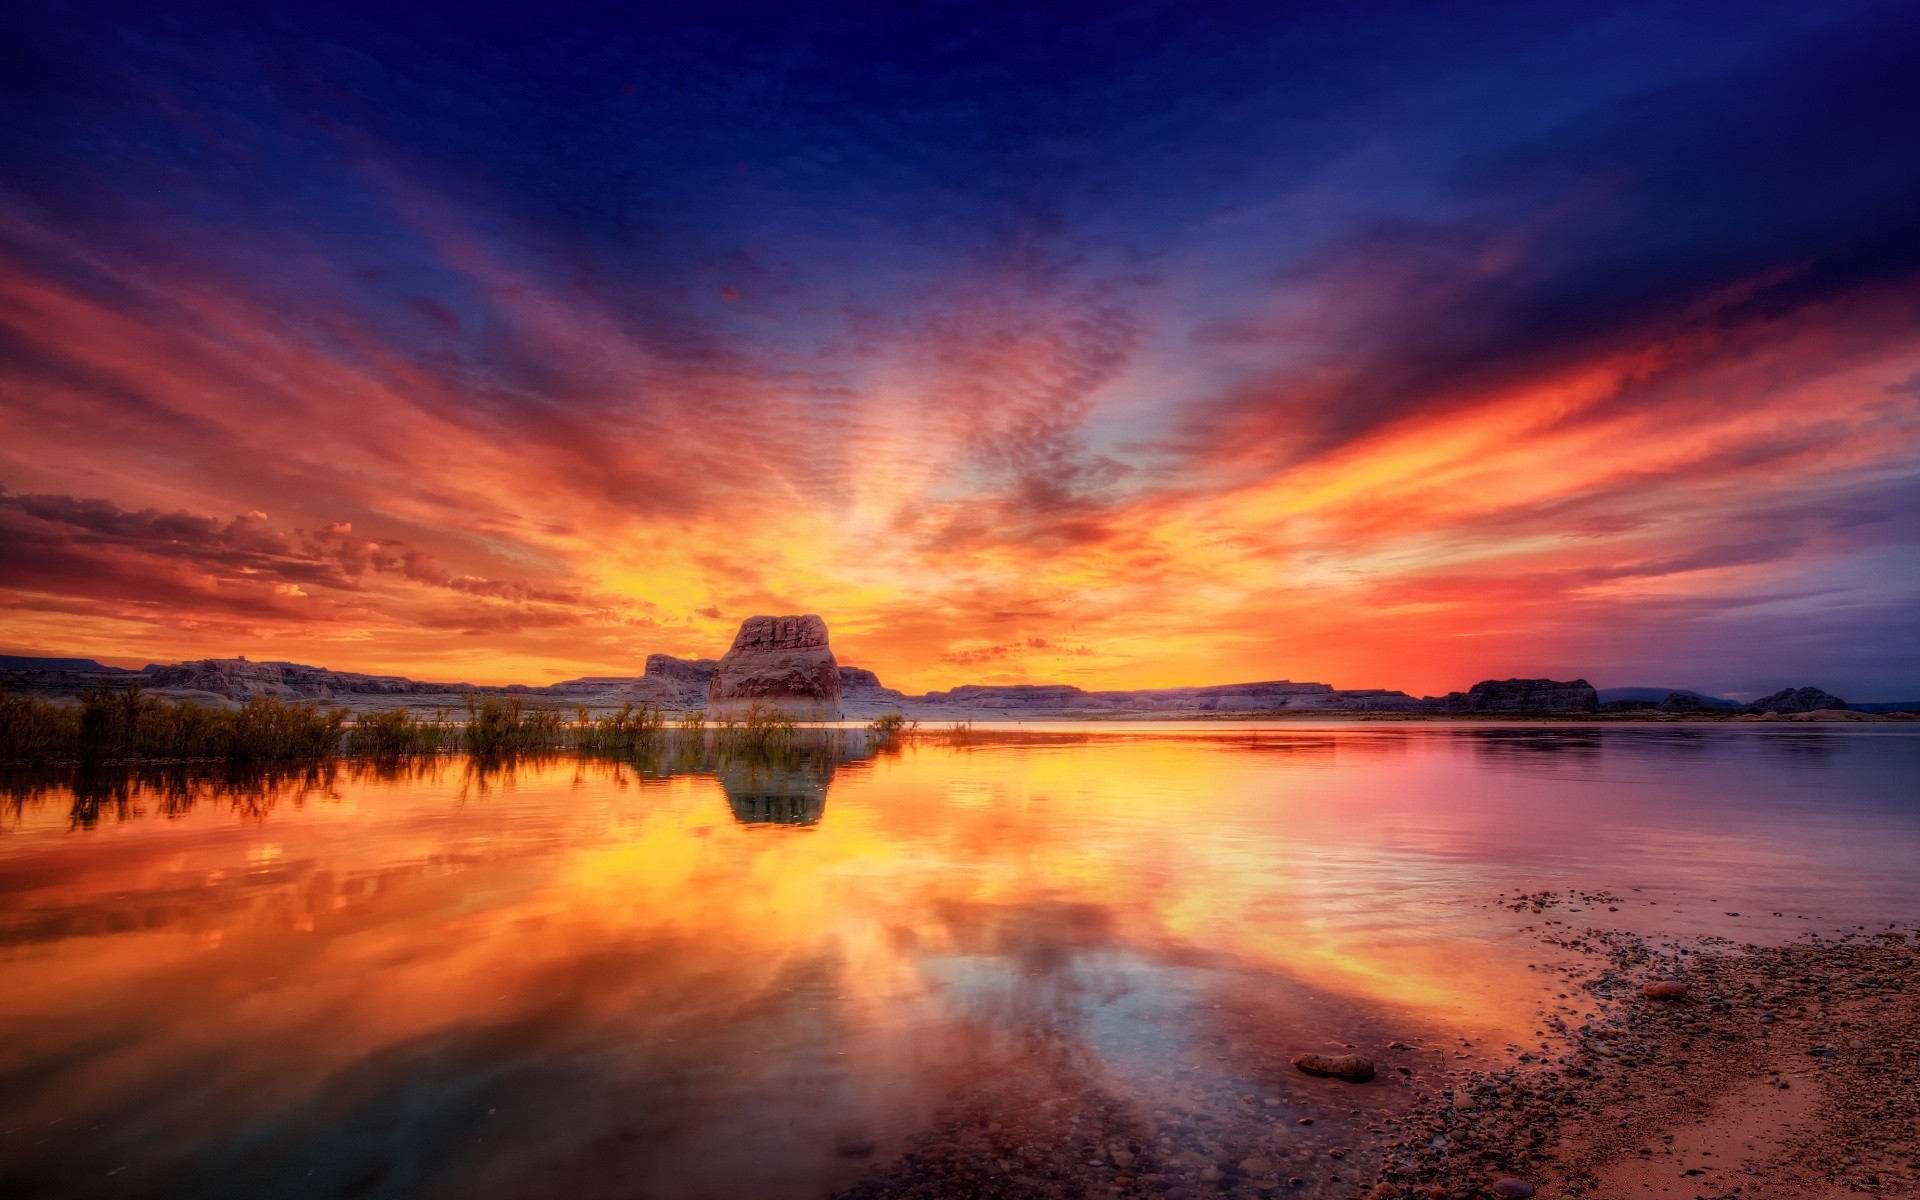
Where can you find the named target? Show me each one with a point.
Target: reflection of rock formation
(776, 790)
(782, 663)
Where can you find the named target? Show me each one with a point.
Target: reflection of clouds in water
(649, 990)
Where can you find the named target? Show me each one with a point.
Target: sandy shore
(1782, 1072)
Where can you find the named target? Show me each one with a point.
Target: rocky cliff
(1522, 696)
(1269, 697)
(1797, 700)
(779, 662)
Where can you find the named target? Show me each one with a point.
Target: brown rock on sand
(1355, 1068)
(1664, 989)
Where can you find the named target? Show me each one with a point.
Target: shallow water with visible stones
(1041, 962)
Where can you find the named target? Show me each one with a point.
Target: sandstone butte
(780, 663)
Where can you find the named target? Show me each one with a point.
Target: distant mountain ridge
(23, 662)
(686, 684)
(1656, 695)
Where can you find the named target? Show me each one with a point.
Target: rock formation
(778, 662)
(861, 689)
(1797, 700)
(1523, 696)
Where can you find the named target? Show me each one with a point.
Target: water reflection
(552, 976)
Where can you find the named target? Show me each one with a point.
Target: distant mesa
(23, 662)
(1797, 700)
(787, 663)
(1664, 699)
(1523, 696)
(782, 663)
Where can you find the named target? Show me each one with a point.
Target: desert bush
(631, 730)
(396, 732)
(888, 728)
(507, 726)
(759, 729)
(35, 730)
(119, 724)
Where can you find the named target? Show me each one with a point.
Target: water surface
(585, 979)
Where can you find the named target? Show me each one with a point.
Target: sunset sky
(1119, 345)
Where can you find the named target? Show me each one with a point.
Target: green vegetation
(632, 730)
(397, 733)
(888, 728)
(112, 724)
(123, 725)
(758, 730)
(496, 727)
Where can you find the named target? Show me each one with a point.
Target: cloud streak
(1152, 351)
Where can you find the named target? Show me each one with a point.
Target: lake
(763, 978)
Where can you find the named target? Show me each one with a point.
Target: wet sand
(1783, 1071)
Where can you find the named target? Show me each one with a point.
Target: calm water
(575, 979)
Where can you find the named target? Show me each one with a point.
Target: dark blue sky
(1045, 308)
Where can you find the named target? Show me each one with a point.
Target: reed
(761, 728)
(496, 727)
(396, 733)
(118, 724)
(33, 730)
(632, 730)
(889, 728)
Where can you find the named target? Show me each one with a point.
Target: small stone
(1356, 1068)
(1122, 1158)
(1512, 1189)
(1663, 989)
(1210, 1174)
(1255, 1166)
(1465, 1102)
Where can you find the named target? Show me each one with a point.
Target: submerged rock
(1355, 1068)
(1512, 1189)
(1664, 989)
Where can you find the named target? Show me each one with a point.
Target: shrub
(394, 733)
(629, 731)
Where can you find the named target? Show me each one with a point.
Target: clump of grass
(35, 730)
(496, 727)
(121, 724)
(396, 733)
(759, 729)
(632, 730)
(960, 733)
(888, 728)
(266, 728)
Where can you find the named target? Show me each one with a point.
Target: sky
(1117, 345)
